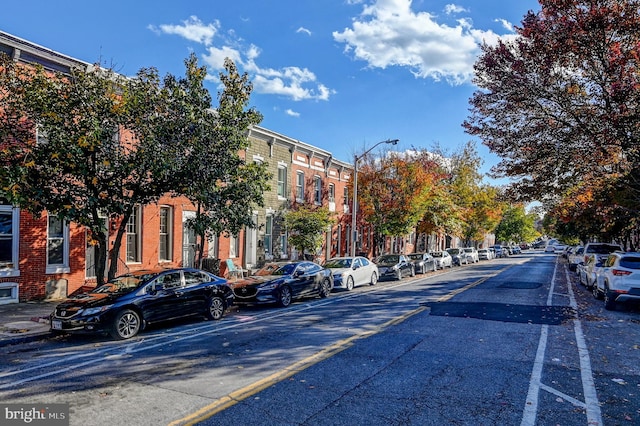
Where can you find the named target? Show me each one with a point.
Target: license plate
(56, 325)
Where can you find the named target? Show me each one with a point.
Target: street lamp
(356, 158)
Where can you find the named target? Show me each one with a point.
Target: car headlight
(96, 310)
(268, 287)
(394, 267)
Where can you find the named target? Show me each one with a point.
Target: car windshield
(338, 263)
(630, 262)
(267, 269)
(469, 250)
(454, 251)
(285, 269)
(415, 256)
(603, 248)
(121, 285)
(437, 254)
(389, 259)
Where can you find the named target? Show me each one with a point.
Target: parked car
(492, 253)
(290, 281)
(618, 280)
(594, 256)
(125, 305)
(472, 254)
(574, 257)
(394, 266)
(515, 249)
(484, 254)
(350, 272)
(500, 250)
(422, 262)
(443, 259)
(458, 256)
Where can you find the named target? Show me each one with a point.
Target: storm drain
(525, 314)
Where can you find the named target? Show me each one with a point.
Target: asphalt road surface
(511, 341)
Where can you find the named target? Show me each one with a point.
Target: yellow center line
(239, 395)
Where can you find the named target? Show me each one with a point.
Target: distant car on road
(350, 272)
(394, 266)
(290, 281)
(443, 259)
(422, 262)
(125, 305)
(484, 254)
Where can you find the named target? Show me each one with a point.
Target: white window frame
(268, 235)
(300, 187)
(317, 190)
(165, 230)
(282, 181)
(11, 269)
(134, 224)
(332, 193)
(63, 267)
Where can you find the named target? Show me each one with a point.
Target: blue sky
(341, 75)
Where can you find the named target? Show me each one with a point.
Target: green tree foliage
(516, 225)
(222, 184)
(560, 104)
(108, 144)
(307, 225)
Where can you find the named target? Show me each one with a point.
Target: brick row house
(45, 258)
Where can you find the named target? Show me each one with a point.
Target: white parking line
(591, 404)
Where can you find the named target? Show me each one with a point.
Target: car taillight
(620, 273)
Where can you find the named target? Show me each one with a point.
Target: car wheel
(325, 287)
(609, 299)
(597, 294)
(374, 279)
(216, 308)
(284, 297)
(126, 325)
(349, 283)
(450, 265)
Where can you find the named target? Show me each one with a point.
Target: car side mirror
(354, 267)
(298, 273)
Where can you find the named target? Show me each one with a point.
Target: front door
(251, 244)
(188, 241)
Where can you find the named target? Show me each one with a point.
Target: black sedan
(394, 266)
(124, 306)
(290, 281)
(422, 262)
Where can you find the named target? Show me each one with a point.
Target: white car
(484, 254)
(443, 259)
(618, 280)
(472, 254)
(350, 272)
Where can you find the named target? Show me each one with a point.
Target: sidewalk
(25, 321)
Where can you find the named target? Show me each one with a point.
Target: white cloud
(303, 30)
(454, 8)
(389, 33)
(192, 29)
(292, 113)
(294, 82)
(505, 24)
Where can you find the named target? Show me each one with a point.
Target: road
(506, 342)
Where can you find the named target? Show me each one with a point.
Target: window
(282, 181)
(268, 231)
(234, 246)
(9, 226)
(57, 246)
(283, 246)
(133, 236)
(332, 193)
(300, 187)
(165, 252)
(345, 198)
(317, 190)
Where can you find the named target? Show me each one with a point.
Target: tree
(96, 150)
(306, 225)
(223, 185)
(516, 225)
(399, 183)
(559, 103)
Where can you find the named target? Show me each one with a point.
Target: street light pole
(356, 158)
